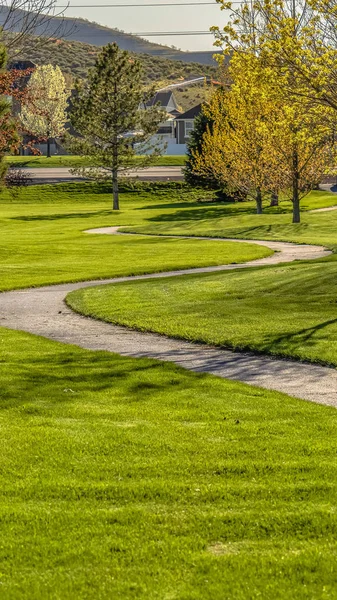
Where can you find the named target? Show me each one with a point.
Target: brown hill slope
(75, 58)
(81, 30)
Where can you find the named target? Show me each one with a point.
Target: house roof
(163, 98)
(21, 65)
(174, 113)
(190, 114)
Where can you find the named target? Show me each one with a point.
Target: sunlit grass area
(125, 478)
(134, 479)
(286, 310)
(42, 239)
(75, 161)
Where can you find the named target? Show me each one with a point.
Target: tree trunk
(296, 192)
(258, 202)
(115, 192)
(48, 148)
(274, 199)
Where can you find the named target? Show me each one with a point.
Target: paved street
(56, 175)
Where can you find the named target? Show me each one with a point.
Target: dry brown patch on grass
(220, 549)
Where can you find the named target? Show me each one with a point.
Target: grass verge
(36, 162)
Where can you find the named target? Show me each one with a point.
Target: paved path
(43, 311)
(327, 187)
(62, 174)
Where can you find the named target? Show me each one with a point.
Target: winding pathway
(42, 311)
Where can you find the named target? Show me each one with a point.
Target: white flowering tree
(44, 114)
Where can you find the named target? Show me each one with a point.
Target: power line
(139, 5)
(135, 5)
(116, 34)
(164, 33)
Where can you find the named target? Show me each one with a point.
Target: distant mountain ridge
(81, 30)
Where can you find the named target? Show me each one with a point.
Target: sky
(144, 19)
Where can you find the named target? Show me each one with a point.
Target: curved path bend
(43, 311)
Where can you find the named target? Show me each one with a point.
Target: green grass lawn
(288, 310)
(136, 480)
(75, 161)
(240, 220)
(133, 479)
(42, 239)
(284, 310)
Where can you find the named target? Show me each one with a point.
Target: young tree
(45, 112)
(239, 150)
(306, 148)
(9, 138)
(271, 30)
(265, 145)
(109, 113)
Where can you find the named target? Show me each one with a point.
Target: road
(57, 175)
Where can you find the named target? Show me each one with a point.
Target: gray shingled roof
(163, 98)
(190, 114)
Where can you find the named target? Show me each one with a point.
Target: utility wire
(139, 5)
(147, 33)
(163, 33)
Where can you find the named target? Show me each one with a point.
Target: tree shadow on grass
(65, 378)
(203, 213)
(209, 212)
(294, 339)
(61, 216)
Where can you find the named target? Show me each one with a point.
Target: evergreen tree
(202, 123)
(111, 114)
(203, 126)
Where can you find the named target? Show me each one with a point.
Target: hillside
(81, 30)
(75, 58)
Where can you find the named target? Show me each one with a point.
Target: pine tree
(45, 112)
(111, 115)
(201, 124)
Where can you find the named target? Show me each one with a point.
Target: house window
(189, 126)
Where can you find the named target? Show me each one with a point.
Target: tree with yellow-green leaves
(298, 39)
(44, 114)
(265, 144)
(259, 36)
(239, 151)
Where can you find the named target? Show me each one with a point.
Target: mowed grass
(134, 479)
(43, 239)
(79, 161)
(286, 310)
(240, 220)
(137, 480)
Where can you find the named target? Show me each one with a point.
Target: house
(185, 123)
(166, 100)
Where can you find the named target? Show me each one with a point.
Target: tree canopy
(112, 114)
(45, 113)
